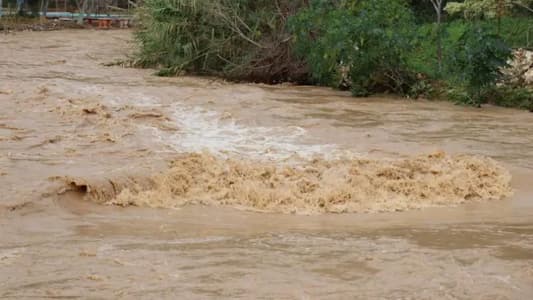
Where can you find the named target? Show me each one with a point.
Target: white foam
(205, 130)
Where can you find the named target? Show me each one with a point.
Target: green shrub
(423, 59)
(475, 62)
(421, 88)
(512, 97)
(236, 39)
(361, 45)
(513, 30)
(459, 95)
(366, 46)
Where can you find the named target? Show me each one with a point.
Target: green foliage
(423, 58)
(361, 45)
(473, 57)
(505, 96)
(513, 30)
(421, 88)
(487, 9)
(237, 39)
(512, 97)
(475, 9)
(366, 46)
(475, 61)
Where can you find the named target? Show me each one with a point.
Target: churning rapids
(272, 192)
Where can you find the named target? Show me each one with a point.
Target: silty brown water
(71, 127)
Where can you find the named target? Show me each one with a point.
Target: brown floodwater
(119, 184)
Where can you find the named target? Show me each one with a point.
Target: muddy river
(119, 184)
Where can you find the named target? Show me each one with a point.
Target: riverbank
(365, 47)
(17, 24)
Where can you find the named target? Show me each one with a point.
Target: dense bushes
(236, 39)
(475, 62)
(473, 57)
(366, 46)
(514, 31)
(506, 96)
(358, 45)
(369, 46)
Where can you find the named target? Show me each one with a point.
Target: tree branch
(522, 5)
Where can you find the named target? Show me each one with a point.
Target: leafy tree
(476, 60)
(361, 45)
(476, 9)
(236, 39)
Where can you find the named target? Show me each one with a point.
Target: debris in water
(43, 90)
(95, 277)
